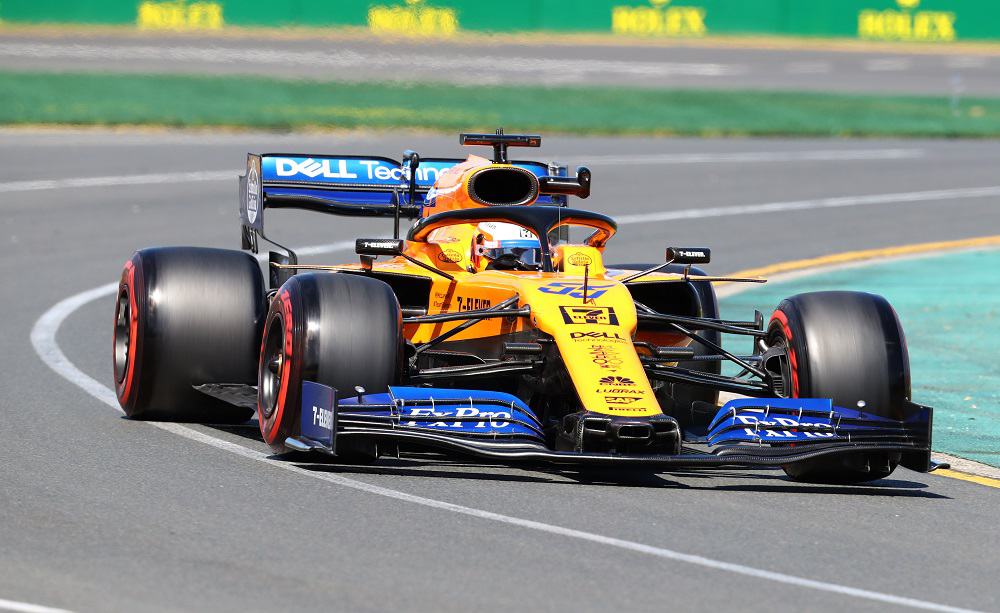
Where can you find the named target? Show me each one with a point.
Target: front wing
(757, 432)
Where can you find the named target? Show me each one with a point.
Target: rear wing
(360, 186)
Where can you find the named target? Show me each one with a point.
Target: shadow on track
(440, 466)
(443, 467)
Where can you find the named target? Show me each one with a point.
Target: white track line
(965, 61)
(114, 181)
(805, 205)
(367, 62)
(43, 333)
(808, 67)
(742, 157)
(27, 607)
(888, 64)
(43, 339)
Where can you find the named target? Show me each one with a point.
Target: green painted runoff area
(250, 102)
(950, 309)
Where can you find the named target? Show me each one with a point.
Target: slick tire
(850, 347)
(337, 329)
(683, 398)
(186, 316)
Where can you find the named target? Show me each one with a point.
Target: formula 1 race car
(489, 332)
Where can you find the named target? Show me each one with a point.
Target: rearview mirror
(688, 255)
(580, 186)
(379, 246)
(413, 158)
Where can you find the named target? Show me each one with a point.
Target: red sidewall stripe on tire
(126, 388)
(270, 433)
(782, 320)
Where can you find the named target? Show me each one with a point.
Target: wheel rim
(123, 335)
(777, 339)
(272, 359)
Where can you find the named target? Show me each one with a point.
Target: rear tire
(337, 329)
(850, 347)
(186, 316)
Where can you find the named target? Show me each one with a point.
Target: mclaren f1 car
(495, 329)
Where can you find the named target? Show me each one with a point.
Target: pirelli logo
(589, 315)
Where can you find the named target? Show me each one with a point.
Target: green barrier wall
(939, 21)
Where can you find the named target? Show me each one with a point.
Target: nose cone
(594, 337)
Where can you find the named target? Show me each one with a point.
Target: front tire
(336, 329)
(186, 316)
(849, 347)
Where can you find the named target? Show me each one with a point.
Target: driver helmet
(500, 238)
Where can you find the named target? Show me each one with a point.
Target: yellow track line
(955, 474)
(878, 254)
(866, 254)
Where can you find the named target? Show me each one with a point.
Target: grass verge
(252, 102)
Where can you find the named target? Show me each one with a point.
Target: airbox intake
(503, 186)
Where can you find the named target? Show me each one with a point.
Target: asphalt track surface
(949, 73)
(104, 514)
